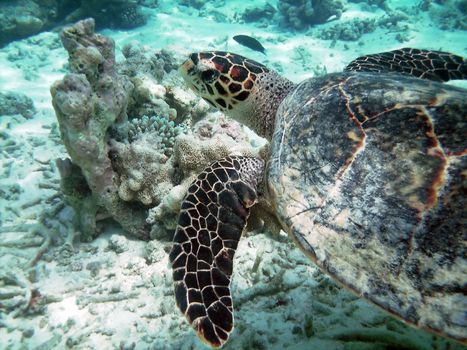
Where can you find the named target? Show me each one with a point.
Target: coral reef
(22, 18)
(264, 13)
(122, 168)
(144, 171)
(143, 60)
(156, 130)
(354, 29)
(149, 98)
(150, 177)
(210, 140)
(348, 31)
(154, 75)
(62, 287)
(383, 4)
(305, 13)
(197, 4)
(449, 15)
(87, 103)
(111, 13)
(14, 103)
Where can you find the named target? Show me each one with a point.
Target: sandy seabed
(116, 292)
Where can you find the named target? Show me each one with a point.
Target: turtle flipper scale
(212, 218)
(426, 64)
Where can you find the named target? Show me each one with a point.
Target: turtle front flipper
(212, 218)
(426, 64)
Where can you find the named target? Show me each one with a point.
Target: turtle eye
(209, 75)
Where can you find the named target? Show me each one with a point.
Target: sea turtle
(367, 174)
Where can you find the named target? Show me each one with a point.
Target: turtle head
(241, 88)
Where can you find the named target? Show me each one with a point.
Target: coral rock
(145, 172)
(148, 99)
(305, 13)
(262, 13)
(210, 140)
(118, 243)
(158, 132)
(87, 103)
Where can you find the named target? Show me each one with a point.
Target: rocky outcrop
(88, 102)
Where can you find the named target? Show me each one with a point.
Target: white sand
(285, 303)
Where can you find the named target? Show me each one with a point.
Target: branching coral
(210, 140)
(21, 247)
(156, 130)
(145, 172)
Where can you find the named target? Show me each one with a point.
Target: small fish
(250, 42)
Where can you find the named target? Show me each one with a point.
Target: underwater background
(84, 269)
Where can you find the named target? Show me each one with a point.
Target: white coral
(211, 140)
(145, 173)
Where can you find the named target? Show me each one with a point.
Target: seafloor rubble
(12, 103)
(71, 277)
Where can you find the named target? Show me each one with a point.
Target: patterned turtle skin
(367, 173)
(212, 218)
(425, 64)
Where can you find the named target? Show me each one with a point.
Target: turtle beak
(187, 68)
(188, 72)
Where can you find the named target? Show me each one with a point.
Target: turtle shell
(368, 175)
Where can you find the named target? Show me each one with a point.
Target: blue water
(75, 272)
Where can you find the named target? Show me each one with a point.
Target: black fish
(249, 42)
